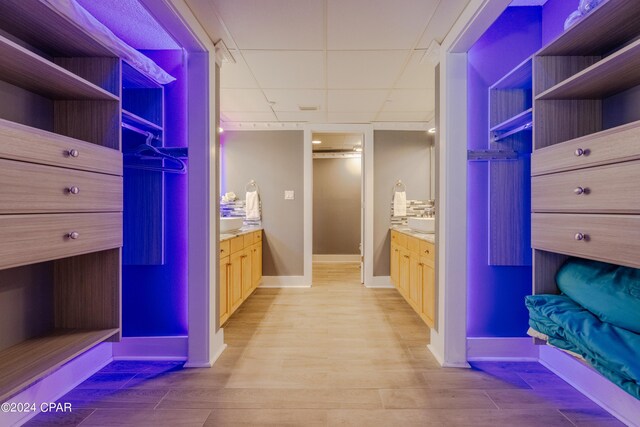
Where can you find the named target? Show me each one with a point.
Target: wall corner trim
(501, 349)
(151, 348)
(284, 282)
(383, 282)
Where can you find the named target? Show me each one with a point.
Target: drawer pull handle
(73, 153)
(579, 152)
(579, 191)
(74, 235)
(579, 237)
(426, 251)
(73, 190)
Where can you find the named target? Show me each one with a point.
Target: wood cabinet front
(240, 271)
(413, 273)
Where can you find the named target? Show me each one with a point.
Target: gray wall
(275, 160)
(336, 206)
(404, 155)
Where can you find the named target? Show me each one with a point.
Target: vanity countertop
(241, 232)
(428, 237)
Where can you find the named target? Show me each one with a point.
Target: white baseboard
(284, 282)
(380, 282)
(501, 349)
(336, 259)
(217, 346)
(589, 382)
(59, 383)
(151, 348)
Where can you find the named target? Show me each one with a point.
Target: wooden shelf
(609, 76)
(41, 27)
(133, 79)
(31, 360)
(139, 122)
(526, 117)
(30, 71)
(612, 24)
(518, 78)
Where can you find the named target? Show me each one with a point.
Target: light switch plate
(289, 195)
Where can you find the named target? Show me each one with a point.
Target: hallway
(335, 354)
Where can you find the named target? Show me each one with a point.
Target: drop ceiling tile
(274, 24)
(376, 24)
(364, 69)
(445, 17)
(243, 100)
(356, 100)
(292, 99)
(353, 117)
(403, 116)
(237, 76)
(411, 100)
(302, 116)
(287, 69)
(249, 116)
(419, 73)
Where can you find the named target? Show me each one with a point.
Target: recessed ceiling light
(357, 148)
(220, 130)
(316, 141)
(432, 130)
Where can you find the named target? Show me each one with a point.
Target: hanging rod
(140, 131)
(500, 136)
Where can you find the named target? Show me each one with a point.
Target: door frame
(367, 195)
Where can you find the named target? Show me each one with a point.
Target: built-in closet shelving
(585, 168)
(61, 192)
(510, 125)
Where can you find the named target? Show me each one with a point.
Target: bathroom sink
(423, 225)
(230, 224)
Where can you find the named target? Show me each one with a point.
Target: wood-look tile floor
(335, 354)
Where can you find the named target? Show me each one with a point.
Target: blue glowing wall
(496, 294)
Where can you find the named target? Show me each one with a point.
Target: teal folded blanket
(611, 292)
(613, 351)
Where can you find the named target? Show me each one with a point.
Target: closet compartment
(142, 99)
(510, 116)
(604, 189)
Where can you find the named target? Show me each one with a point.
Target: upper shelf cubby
(23, 68)
(510, 96)
(610, 25)
(36, 24)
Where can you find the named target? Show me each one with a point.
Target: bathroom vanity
(413, 270)
(240, 268)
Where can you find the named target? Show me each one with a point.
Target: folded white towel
(400, 203)
(253, 205)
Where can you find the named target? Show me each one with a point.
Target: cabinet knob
(73, 235)
(578, 191)
(73, 153)
(579, 152)
(579, 237)
(73, 190)
(426, 251)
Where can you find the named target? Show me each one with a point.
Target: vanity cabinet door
(405, 272)
(428, 292)
(395, 265)
(256, 265)
(415, 279)
(225, 275)
(235, 288)
(247, 283)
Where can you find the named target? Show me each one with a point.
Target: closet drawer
(606, 189)
(19, 142)
(427, 250)
(609, 146)
(249, 239)
(28, 239)
(609, 238)
(225, 248)
(30, 188)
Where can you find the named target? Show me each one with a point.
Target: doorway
(337, 202)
